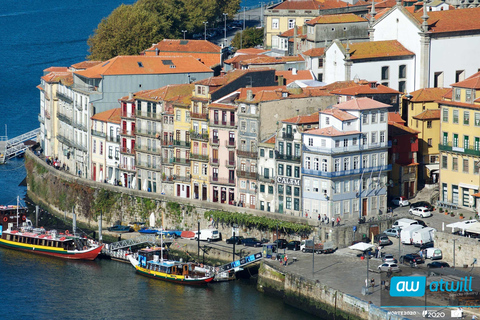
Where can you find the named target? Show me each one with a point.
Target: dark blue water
(35, 35)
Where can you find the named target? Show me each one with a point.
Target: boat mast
(17, 197)
(161, 244)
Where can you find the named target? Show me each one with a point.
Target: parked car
(419, 204)
(236, 240)
(410, 258)
(421, 211)
(393, 232)
(281, 243)
(438, 264)
(389, 258)
(400, 201)
(389, 266)
(382, 239)
(251, 242)
(421, 222)
(293, 245)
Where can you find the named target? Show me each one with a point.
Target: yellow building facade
(460, 143)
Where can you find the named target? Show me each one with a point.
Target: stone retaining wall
(466, 249)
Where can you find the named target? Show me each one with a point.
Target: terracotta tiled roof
(222, 106)
(380, 13)
(129, 65)
(304, 119)
(216, 82)
(297, 5)
(428, 94)
(85, 64)
(448, 95)
(254, 51)
(112, 115)
(472, 82)
(395, 117)
(361, 104)
(264, 94)
(467, 19)
(336, 18)
(270, 140)
(428, 115)
(301, 75)
(342, 84)
(339, 114)
(240, 58)
(460, 104)
(65, 78)
(399, 129)
(365, 89)
(56, 69)
(290, 33)
(331, 131)
(271, 60)
(377, 49)
(315, 52)
(165, 93)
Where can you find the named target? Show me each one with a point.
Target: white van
(422, 236)
(208, 235)
(434, 254)
(407, 233)
(403, 223)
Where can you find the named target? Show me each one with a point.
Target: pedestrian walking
(333, 223)
(372, 282)
(338, 221)
(319, 217)
(286, 260)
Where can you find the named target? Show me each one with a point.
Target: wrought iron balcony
(226, 181)
(214, 141)
(247, 154)
(98, 133)
(280, 156)
(200, 157)
(247, 174)
(198, 136)
(181, 143)
(230, 143)
(287, 136)
(230, 163)
(470, 149)
(346, 172)
(201, 116)
(214, 162)
(181, 161)
(127, 150)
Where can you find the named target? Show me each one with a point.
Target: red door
(133, 128)
(178, 190)
(94, 172)
(124, 126)
(188, 192)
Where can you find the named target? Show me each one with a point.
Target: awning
(476, 195)
(474, 228)
(433, 166)
(463, 225)
(361, 246)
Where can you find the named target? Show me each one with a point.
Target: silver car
(393, 232)
(388, 266)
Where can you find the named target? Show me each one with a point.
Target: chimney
(130, 96)
(294, 71)
(156, 51)
(295, 34)
(249, 95)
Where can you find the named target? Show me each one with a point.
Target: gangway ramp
(150, 239)
(16, 146)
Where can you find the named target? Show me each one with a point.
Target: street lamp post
(205, 32)
(225, 28)
(184, 31)
(454, 252)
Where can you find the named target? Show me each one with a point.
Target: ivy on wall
(260, 223)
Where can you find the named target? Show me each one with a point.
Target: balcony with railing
(166, 143)
(146, 132)
(350, 148)
(198, 136)
(247, 154)
(127, 150)
(128, 114)
(184, 161)
(225, 124)
(64, 97)
(287, 136)
(63, 117)
(287, 157)
(266, 179)
(127, 132)
(144, 148)
(246, 174)
(79, 126)
(200, 116)
(127, 167)
(214, 141)
(343, 173)
(214, 162)
(470, 149)
(229, 163)
(182, 178)
(181, 143)
(61, 138)
(113, 139)
(225, 181)
(98, 133)
(200, 157)
(148, 115)
(146, 165)
(167, 160)
(230, 143)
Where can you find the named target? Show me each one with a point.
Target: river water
(36, 35)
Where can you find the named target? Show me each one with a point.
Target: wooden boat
(49, 243)
(151, 263)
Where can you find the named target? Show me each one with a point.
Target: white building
(112, 147)
(387, 62)
(344, 161)
(445, 43)
(266, 175)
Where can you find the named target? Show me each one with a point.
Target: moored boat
(148, 231)
(49, 243)
(120, 229)
(151, 263)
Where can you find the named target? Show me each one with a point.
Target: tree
(248, 38)
(130, 29)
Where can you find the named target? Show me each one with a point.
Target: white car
(388, 258)
(421, 212)
(389, 266)
(400, 201)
